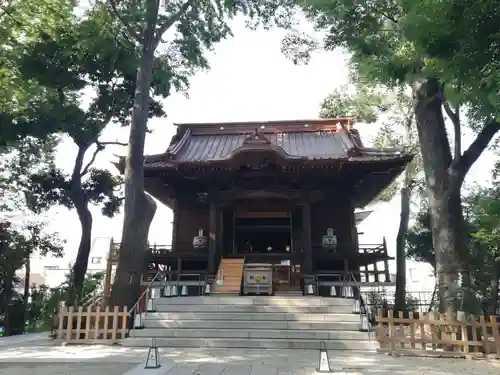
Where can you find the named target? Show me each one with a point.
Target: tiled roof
(208, 144)
(310, 145)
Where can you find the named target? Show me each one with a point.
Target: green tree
(186, 29)
(17, 245)
(22, 22)
(482, 223)
(486, 233)
(449, 62)
(83, 54)
(36, 240)
(45, 301)
(393, 110)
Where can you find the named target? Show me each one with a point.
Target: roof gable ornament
(256, 139)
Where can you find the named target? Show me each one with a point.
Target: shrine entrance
(262, 233)
(286, 277)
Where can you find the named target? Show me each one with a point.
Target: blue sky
(249, 80)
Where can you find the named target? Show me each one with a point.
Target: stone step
(343, 309)
(174, 342)
(256, 324)
(214, 333)
(257, 300)
(252, 316)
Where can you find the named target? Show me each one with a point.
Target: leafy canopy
(399, 41)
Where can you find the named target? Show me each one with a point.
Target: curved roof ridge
(176, 147)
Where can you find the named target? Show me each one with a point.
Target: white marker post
(153, 360)
(324, 363)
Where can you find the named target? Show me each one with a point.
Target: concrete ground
(37, 357)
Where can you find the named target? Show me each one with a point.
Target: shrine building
(276, 195)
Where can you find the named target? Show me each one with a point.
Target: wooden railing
(437, 334)
(374, 249)
(95, 323)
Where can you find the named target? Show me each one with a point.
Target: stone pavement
(27, 359)
(32, 338)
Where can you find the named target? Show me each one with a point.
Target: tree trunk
(26, 296)
(80, 201)
(443, 201)
(82, 259)
(7, 297)
(400, 297)
(494, 289)
(139, 208)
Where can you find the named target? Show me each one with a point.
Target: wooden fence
(437, 334)
(94, 323)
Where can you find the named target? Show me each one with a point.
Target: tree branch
(384, 14)
(100, 146)
(168, 23)
(92, 160)
(469, 157)
(98, 149)
(116, 143)
(129, 31)
(455, 119)
(6, 11)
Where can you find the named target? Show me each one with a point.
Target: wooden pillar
(175, 224)
(212, 238)
(220, 234)
(354, 244)
(306, 237)
(179, 269)
(386, 262)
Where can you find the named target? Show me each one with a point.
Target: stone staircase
(253, 322)
(230, 272)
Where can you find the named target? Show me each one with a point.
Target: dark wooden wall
(190, 215)
(335, 215)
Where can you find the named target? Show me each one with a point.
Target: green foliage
(392, 110)
(482, 213)
(21, 22)
(360, 101)
(53, 188)
(17, 244)
(397, 42)
(45, 301)
(419, 245)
